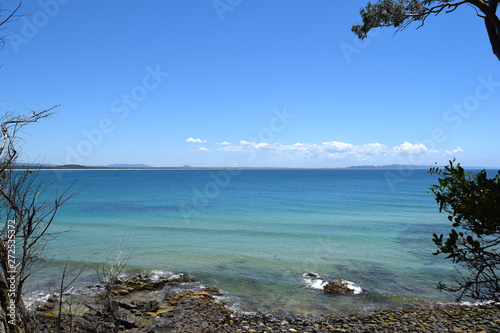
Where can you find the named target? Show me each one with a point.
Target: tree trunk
(4, 296)
(493, 36)
(21, 323)
(3, 321)
(24, 317)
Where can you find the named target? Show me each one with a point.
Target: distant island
(188, 167)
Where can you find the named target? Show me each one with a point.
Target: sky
(257, 83)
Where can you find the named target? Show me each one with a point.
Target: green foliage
(401, 13)
(386, 13)
(473, 203)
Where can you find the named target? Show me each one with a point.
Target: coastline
(287, 245)
(145, 304)
(78, 167)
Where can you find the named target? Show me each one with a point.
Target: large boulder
(338, 287)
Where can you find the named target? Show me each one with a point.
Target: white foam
(156, 274)
(237, 310)
(356, 289)
(35, 297)
(314, 281)
(477, 303)
(176, 276)
(122, 276)
(72, 291)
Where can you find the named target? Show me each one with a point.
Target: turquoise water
(254, 233)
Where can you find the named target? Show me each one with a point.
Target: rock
(213, 291)
(127, 303)
(139, 282)
(128, 321)
(479, 328)
(181, 278)
(162, 330)
(152, 306)
(49, 316)
(337, 287)
(124, 292)
(49, 305)
(312, 275)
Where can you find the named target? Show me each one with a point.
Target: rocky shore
(465, 319)
(141, 304)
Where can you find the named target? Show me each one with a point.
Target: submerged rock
(141, 282)
(181, 278)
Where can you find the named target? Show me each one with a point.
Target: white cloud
(411, 149)
(334, 150)
(262, 145)
(231, 148)
(454, 151)
(223, 143)
(203, 149)
(373, 149)
(191, 140)
(334, 147)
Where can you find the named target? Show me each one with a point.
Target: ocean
(255, 234)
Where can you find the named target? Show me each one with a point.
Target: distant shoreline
(212, 168)
(367, 168)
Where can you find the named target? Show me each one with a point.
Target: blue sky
(281, 83)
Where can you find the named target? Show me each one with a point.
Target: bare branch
(31, 217)
(10, 18)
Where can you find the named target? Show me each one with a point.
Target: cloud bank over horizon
(336, 149)
(407, 152)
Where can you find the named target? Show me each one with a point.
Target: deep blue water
(254, 233)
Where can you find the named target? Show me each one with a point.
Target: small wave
(315, 281)
(237, 308)
(35, 297)
(478, 303)
(156, 274)
(356, 289)
(176, 276)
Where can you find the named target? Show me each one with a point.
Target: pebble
(464, 319)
